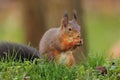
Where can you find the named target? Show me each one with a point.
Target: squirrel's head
(71, 30)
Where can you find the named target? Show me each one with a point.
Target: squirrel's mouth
(78, 44)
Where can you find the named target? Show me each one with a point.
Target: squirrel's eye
(70, 29)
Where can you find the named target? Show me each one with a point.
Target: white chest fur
(64, 56)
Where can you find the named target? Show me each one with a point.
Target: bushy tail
(17, 51)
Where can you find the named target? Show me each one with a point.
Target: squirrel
(56, 44)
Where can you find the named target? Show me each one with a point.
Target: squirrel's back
(49, 38)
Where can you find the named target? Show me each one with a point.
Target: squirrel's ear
(64, 20)
(75, 15)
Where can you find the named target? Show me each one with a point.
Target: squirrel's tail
(17, 51)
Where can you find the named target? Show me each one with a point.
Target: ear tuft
(75, 15)
(64, 20)
(66, 14)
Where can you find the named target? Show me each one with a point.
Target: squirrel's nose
(79, 42)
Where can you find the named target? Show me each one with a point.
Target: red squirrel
(58, 43)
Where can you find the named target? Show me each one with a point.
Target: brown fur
(61, 41)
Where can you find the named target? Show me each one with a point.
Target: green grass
(42, 70)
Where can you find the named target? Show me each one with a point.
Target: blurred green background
(101, 19)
